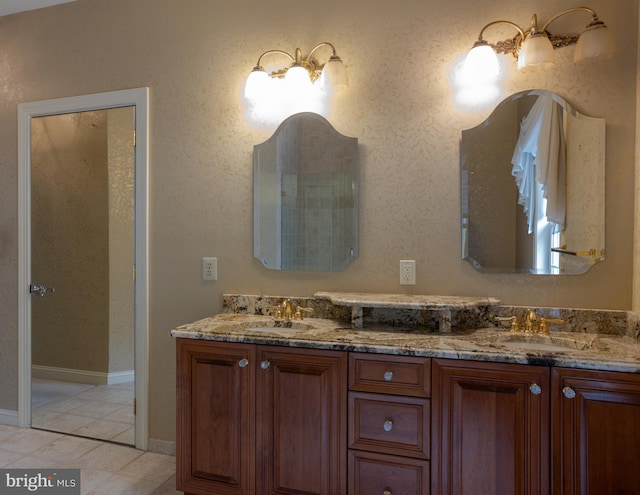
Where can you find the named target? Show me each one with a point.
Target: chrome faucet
(532, 323)
(288, 311)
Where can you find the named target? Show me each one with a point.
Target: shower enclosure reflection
(305, 183)
(533, 178)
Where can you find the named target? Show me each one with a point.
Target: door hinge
(134, 273)
(135, 138)
(135, 407)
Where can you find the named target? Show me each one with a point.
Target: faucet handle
(277, 311)
(300, 310)
(544, 324)
(512, 319)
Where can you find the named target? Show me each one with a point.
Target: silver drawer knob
(388, 425)
(386, 492)
(535, 389)
(388, 376)
(568, 392)
(243, 362)
(265, 364)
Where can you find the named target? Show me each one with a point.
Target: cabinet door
(215, 418)
(490, 428)
(596, 432)
(301, 421)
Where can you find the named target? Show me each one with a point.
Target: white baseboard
(8, 417)
(121, 377)
(81, 376)
(161, 446)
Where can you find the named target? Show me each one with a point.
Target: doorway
(83, 227)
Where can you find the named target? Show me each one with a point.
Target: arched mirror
(533, 186)
(305, 183)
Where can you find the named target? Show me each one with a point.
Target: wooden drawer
(389, 374)
(377, 474)
(389, 424)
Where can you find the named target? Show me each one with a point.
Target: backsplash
(609, 322)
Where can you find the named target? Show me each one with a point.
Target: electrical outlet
(407, 272)
(209, 268)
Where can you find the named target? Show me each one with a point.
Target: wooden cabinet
(270, 420)
(301, 421)
(215, 451)
(505, 428)
(596, 432)
(490, 428)
(260, 419)
(389, 424)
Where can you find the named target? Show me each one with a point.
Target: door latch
(40, 289)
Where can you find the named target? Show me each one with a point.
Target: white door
(83, 276)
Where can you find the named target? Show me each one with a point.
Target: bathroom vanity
(267, 406)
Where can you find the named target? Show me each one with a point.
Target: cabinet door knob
(243, 362)
(535, 389)
(568, 392)
(388, 375)
(386, 492)
(265, 364)
(388, 425)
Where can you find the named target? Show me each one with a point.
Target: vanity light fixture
(300, 75)
(534, 47)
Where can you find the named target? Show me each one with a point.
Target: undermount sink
(535, 342)
(537, 346)
(274, 329)
(275, 326)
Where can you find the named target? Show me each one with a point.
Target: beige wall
(120, 135)
(194, 56)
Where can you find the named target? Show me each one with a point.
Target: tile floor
(104, 412)
(105, 468)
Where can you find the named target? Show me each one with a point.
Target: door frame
(138, 98)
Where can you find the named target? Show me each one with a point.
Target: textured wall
(402, 59)
(120, 125)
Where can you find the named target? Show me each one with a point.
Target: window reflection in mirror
(306, 196)
(533, 182)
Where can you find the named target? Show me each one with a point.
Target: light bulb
(481, 64)
(594, 45)
(536, 51)
(297, 77)
(257, 84)
(334, 75)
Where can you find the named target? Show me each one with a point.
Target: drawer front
(390, 374)
(377, 474)
(389, 424)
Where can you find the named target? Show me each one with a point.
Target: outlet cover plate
(407, 272)
(209, 269)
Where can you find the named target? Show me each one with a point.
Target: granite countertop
(566, 349)
(369, 300)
